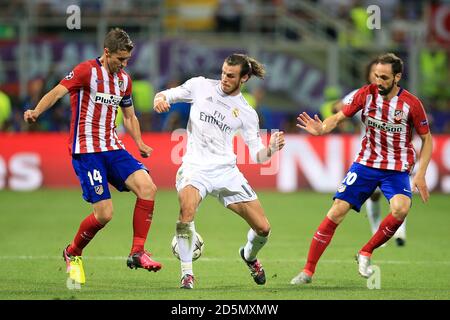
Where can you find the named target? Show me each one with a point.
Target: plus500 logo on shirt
(106, 98)
(388, 127)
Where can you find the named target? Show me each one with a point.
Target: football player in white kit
(217, 113)
(373, 203)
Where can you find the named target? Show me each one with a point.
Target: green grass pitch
(36, 226)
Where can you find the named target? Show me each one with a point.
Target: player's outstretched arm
(45, 103)
(131, 124)
(419, 183)
(315, 126)
(160, 103)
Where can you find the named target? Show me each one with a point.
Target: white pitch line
(206, 259)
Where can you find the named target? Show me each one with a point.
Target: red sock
(142, 219)
(386, 230)
(319, 243)
(88, 228)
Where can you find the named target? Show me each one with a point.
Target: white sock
(253, 245)
(373, 214)
(401, 231)
(186, 238)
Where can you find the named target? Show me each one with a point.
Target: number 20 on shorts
(350, 178)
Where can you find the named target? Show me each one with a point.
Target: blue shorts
(361, 181)
(95, 170)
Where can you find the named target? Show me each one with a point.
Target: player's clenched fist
(30, 116)
(160, 104)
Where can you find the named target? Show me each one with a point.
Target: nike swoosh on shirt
(409, 191)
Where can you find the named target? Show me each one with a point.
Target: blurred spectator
(118, 7)
(400, 27)
(361, 35)
(61, 112)
(434, 69)
(55, 119)
(332, 94)
(35, 93)
(143, 93)
(5, 110)
(255, 98)
(178, 115)
(54, 7)
(289, 123)
(10, 9)
(229, 15)
(337, 8)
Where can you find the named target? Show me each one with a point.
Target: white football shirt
(214, 120)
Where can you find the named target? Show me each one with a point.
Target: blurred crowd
(57, 119)
(399, 19)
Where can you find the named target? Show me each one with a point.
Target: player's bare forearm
(330, 123)
(419, 181)
(131, 124)
(425, 153)
(47, 101)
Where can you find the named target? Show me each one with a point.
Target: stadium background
(315, 53)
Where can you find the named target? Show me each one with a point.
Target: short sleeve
(77, 78)
(348, 99)
(419, 118)
(353, 104)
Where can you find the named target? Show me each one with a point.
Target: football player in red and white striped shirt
(386, 159)
(373, 209)
(97, 89)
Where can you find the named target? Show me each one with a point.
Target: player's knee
(400, 211)
(263, 231)
(104, 214)
(146, 191)
(338, 211)
(336, 215)
(152, 190)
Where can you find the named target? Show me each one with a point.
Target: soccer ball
(198, 247)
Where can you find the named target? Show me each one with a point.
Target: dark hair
(393, 60)
(368, 68)
(249, 65)
(118, 40)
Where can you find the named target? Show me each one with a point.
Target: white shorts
(227, 185)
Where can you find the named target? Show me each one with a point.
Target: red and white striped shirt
(95, 96)
(389, 123)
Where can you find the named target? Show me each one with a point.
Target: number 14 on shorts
(94, 176)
